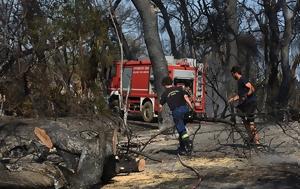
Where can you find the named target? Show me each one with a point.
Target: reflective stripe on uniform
(185, 136)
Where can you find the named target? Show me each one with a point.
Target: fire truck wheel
(147, 112)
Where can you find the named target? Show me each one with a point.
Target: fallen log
(83, 146)
(25, 179)
(128, 164)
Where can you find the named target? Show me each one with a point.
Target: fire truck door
(151, 82)
(126, 78)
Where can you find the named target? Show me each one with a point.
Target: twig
(191, 168)
(154, 136)
(142, 154)
(198, 183)
(195, 133)
(111, 14)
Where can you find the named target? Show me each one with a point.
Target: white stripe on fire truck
(131, 89)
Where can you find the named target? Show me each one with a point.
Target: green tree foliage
(60, 50)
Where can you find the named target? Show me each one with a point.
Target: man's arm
(187, 99)
(251, 88)
(234, 98)
(160, 108)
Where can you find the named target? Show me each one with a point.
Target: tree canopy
(68, 45)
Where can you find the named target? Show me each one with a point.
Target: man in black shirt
(177, 100)
(246, 103)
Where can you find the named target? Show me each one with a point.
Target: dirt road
(223, 161)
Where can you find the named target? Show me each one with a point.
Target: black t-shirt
(174, 96)
(243, 90)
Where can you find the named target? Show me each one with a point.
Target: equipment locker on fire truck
(138, 77)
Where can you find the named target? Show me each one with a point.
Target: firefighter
(179, 103)
(246, 99)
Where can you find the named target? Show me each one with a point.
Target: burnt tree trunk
(82, 150)
(153, 43)
(115, 23)
(187, 27)
(166, 18)
(285, 85)
(273, 51)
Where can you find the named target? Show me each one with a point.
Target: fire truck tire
(147, 112)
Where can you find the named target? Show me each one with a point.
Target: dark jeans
(178, 117)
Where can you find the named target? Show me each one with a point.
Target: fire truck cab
(138, 80)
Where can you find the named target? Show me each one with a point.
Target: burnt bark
(166, 18)
(272, 50)
(285, 86)
(25, 179)
(278, 51)
(187, 27)
(231, 44)
(153, 43)
(231, 53)
(127, 52)
(83, 148)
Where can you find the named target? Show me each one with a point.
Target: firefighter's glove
(194, 114)
(189, 116)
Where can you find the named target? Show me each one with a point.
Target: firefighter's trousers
(178, 117)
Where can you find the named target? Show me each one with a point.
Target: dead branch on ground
(142, 154)
(192, 169)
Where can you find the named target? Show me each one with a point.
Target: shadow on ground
(283, 176)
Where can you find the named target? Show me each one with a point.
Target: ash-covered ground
(220, 157)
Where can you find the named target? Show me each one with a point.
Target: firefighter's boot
(181, 148)
(185, 145)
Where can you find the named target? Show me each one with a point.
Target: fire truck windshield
(184, 74)
(184, 83)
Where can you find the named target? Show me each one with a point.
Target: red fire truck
(137, 77)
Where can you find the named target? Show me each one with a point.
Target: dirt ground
(223, 161)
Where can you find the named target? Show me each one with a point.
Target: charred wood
(80, 154)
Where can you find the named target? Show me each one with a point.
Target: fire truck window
(126, 78)
(184, 83)
(151, 78)
(151, 81)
